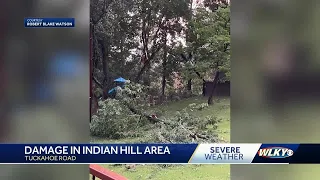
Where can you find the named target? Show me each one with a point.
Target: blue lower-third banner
(159, 153)
(49, 22)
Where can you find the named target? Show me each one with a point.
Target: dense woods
(166, 51)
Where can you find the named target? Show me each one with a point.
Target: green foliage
(209, 40)
(116, 120)
(181, 129)
(127, 31)
(113, 120)
(200, 107)
(133, 94)
(124, 32)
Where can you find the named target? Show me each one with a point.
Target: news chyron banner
(159, 153)
(49, 22)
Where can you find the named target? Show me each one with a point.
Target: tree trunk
(215, 82)
(104, 52)
(188, 38)
(164, 82)
(164, 66)
(104, 63)
(189, 85)
(147, 64)
(204, 88)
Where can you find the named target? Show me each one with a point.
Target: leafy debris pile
(129, 116)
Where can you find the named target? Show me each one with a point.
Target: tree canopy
(164, 48)
(142, 40)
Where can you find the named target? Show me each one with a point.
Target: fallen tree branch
(193, 135)
(149, 117)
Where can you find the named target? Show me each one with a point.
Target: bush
(113, 120)
(200, 107)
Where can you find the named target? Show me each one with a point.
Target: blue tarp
(120, 79)
(111, 90)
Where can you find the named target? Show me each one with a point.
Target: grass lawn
(188, 172)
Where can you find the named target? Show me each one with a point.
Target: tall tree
(210, 42)
(164, 63)
(114, 29)
(211, 39)
(156, 16)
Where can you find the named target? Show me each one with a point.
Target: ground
(194, 172)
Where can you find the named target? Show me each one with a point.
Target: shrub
(112, 119)
(200, 107)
